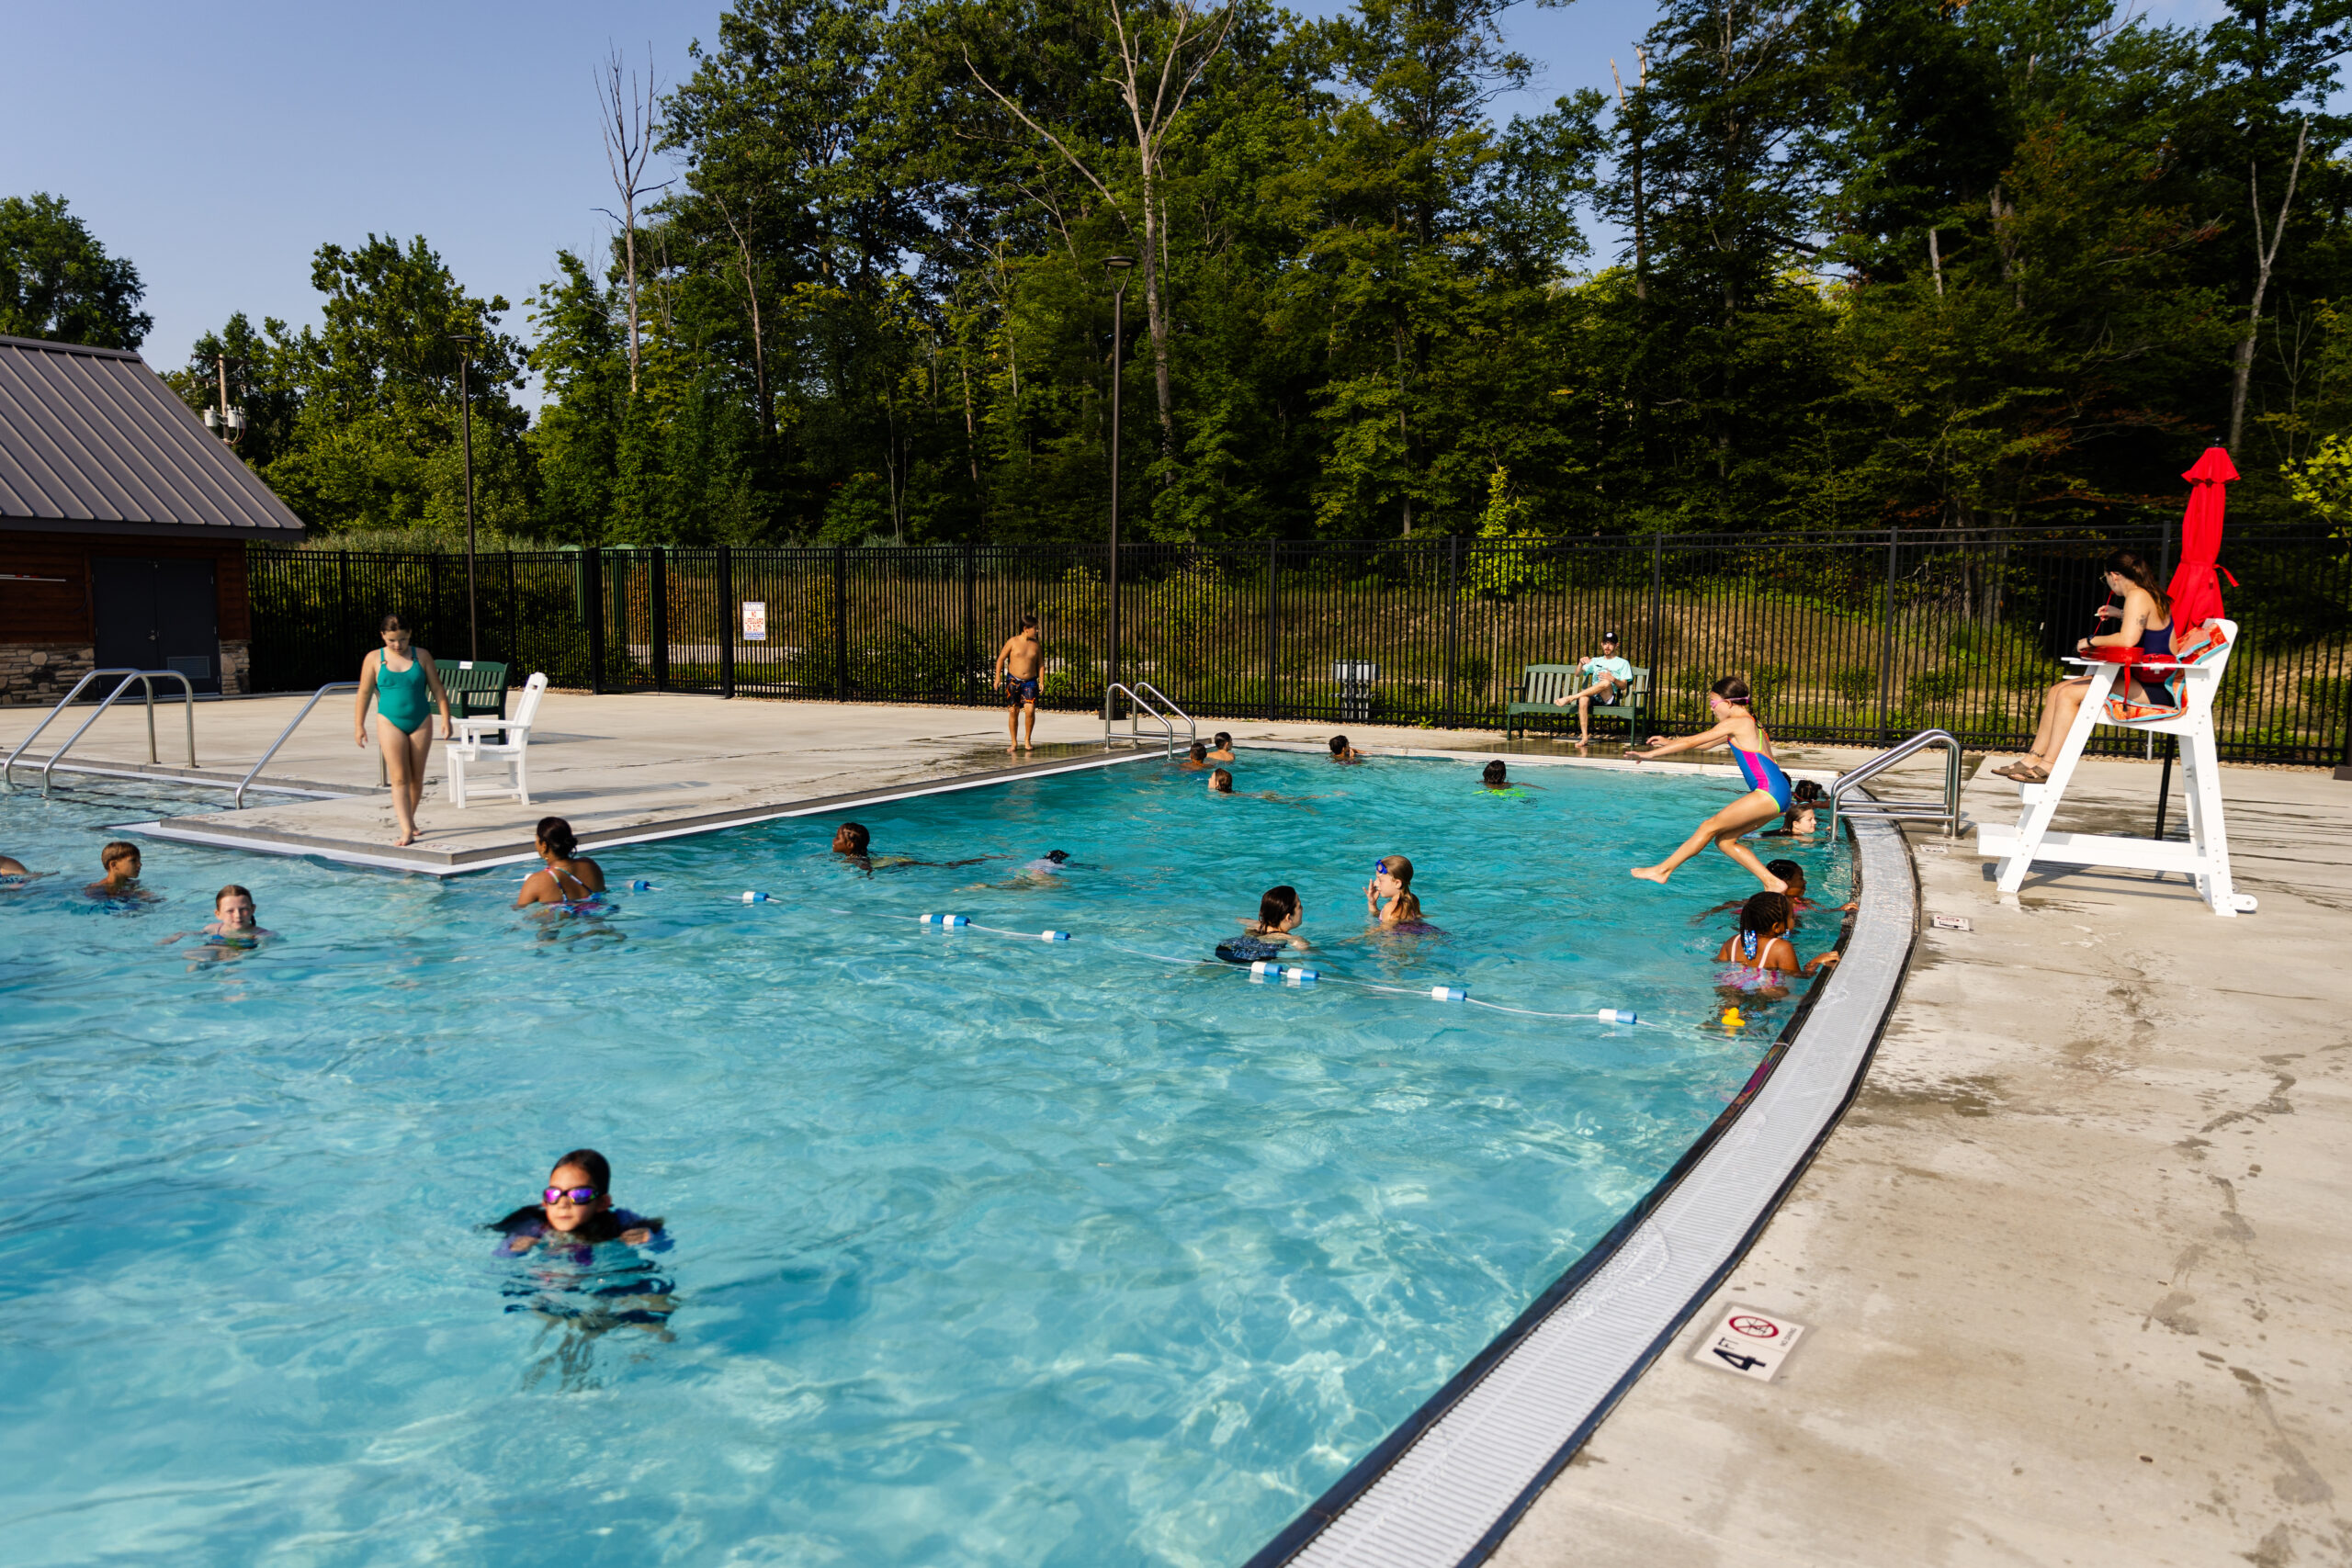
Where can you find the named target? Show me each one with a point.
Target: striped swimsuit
(1762, 773)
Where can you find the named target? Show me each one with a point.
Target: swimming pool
(986, 1251)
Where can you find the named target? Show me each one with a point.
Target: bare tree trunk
(630, 135)
(1936, 261)
(1634, 166)
(1152, 121)
(971, 427)
(759, 340)
(2264, 252)
(2005, 234)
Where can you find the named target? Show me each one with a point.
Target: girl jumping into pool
(404, 683)
(1769, 793)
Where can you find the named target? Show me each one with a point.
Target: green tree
(376, 444)
(57, 281)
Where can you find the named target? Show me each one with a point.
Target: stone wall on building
(237, 666)
(42, 672)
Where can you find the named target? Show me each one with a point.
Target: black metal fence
(1854, 638)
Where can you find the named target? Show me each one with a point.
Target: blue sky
(218, 146)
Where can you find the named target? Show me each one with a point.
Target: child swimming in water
(233, 928)
(1801, 822)
(1344, 753)
(1221, 747)
(1761, 951)
(1389, 899)
(1496, 779)
(1280, 915)
(570, 877)
(1793, 876)
(575, 1211)
(14, 875)
(1220, 781)
(1196, 759)
(121, 861)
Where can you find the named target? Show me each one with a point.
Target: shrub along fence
(1851, 637)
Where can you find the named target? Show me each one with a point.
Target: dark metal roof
(92, 441)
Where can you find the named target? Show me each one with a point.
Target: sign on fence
(755, 620)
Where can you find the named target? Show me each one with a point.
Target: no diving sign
(1748, 1342)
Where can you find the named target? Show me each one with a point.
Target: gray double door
(158, 614)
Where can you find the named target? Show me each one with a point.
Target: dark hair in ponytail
(1731, 688)
(2133, 565)
(556, 834)
(1278, 904)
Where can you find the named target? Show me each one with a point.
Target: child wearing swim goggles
(1388, 896)
(575, 1211)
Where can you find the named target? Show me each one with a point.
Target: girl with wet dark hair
(1280, 915)
(570, 878)
(575, 1211)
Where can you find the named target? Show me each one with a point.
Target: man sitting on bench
(1612, 682)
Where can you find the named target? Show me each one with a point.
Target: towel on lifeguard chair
(2203, 643)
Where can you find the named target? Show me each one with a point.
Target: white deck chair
(2206, 856)
(471, 746)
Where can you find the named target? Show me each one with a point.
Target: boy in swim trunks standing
(1017, 663)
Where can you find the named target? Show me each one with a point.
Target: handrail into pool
(237, 801)
(1134, 716)
(146, 679)
(1947, 813)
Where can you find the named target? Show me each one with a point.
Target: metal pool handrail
(1134, 717)
(1947, 812)
(237, 801)
(146, 679)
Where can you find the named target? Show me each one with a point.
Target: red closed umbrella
(2195, 590)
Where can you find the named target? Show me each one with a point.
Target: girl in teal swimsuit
(1768, 789)
(404, 683)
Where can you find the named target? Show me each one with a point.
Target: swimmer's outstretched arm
(1660, 746)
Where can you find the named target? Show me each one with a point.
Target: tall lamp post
(466, 424)
(1117, 267)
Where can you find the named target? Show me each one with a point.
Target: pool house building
(123, 526)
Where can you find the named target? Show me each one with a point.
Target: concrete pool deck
(2081, 1212)
(2074, 1267)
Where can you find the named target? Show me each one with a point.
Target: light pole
(225, 422)
(1117, 267)
(466, 424)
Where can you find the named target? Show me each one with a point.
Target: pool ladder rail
(1142, 706)
(237, 801)
(146, 679)
(1946, 810)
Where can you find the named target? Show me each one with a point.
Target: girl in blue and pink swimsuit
(1768, 789)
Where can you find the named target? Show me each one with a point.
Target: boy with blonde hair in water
(1017, 665)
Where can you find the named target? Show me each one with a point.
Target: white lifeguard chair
(2205, 857)
(471, 746)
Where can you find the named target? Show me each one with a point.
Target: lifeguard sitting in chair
(2145, 635)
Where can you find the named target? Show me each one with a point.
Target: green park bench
(477, 688)
(1542, 685)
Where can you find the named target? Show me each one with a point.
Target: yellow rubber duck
(1732, 1018)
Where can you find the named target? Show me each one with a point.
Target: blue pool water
(983, 1251)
